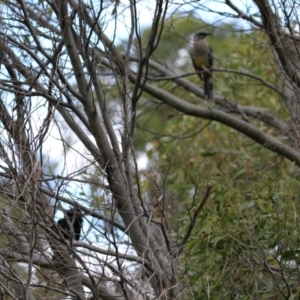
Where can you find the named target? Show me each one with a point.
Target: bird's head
(200, 36)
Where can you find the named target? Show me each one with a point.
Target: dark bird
(202, 58)
(72, 223)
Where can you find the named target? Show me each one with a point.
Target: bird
(202, 58)
(73, 219)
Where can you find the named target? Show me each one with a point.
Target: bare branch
(179, 249)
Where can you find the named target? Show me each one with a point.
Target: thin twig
(179, 249)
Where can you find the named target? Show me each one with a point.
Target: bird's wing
(210, 58)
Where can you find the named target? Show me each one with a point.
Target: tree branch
(176, 252)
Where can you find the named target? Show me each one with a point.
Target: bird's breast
(200, 62)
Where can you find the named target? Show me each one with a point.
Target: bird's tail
(208, 86)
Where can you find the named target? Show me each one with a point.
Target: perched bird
(202, 58)
(72, 223)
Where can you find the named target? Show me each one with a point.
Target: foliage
(214, 213)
